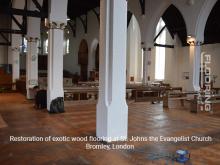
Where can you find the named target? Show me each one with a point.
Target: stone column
(144, 64)
(196, 66)
(31, 65)
(146, 61)
(57, 23)
(55, 62)
(112, 110)
(15, 56)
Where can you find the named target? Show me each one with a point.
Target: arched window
(23, 47)
(46, 46)
(66, 41)
(160, 52)
(67, 46)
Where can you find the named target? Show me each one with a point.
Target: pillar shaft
(15, 64)
(112, 110)
(33, 36)
(31, 66)
(146, 59)
(55, 65)
(15, 56)
(196, 67)
(57, 22)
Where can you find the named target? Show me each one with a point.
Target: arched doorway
(83, 60)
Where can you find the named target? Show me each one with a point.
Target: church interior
(140, 75)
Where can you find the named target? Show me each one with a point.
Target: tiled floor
(145, 119)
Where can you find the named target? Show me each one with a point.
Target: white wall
(71, 60)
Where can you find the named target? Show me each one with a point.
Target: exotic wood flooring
(145, 119)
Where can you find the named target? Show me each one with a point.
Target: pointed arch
(175, 23)
(202, 19)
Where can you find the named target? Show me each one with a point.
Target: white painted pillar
(55, 65)
(15, 56)
(33, 36)
(146, 61)
(196, 67)
(195, 58)
(112, 110)
(31, 65)
(15, 64)
(16, 41)
(57, 23)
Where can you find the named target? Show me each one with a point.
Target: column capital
(32, 39)
(55, 24)
(146, 47)
(15, 49)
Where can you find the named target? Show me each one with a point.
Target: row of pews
(138, 92)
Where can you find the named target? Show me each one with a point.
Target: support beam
(96, 14)
(159, 33)
(17, 23)
(29, 13)
(38, 6)
(142, 5)
(165, 46)
(4, 37)
(5, 44)
(84, 23)
(112, 110)
(11, 31)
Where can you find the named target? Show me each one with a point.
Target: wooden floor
(145, 119)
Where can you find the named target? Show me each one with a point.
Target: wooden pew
(146, 93)
(85, 93)
(80, 93)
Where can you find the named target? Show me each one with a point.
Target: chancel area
(110, 82)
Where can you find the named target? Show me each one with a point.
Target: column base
(112, 121)
(30, 94)
(51, 95)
